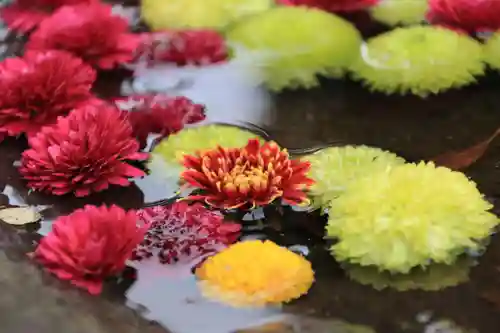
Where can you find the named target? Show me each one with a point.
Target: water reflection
(231, 91)
(303, 324)
(171, 297)
(16, 198)
(432, 278)
(446, 326)
(161, 183)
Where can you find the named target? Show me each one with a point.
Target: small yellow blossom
(255, 273)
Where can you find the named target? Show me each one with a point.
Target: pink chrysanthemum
(91, 32)
(182, 231)
(84, 152)
(183, 47)
(24, 15)
(159, 114)
(41, 86)
(332, 6)
(89, 245)
(467, 15)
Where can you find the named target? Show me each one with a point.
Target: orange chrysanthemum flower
(255, 273)
(246, 177)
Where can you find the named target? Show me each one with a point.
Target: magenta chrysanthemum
(159, 114)
(182, 231)
(85, 152)
(89, 245)
(41, 86)
(91, 32)
(183, 47)
(25, 15)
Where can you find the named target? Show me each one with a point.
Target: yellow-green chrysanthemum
(421, 60)
(297, 44)
(190, 140)
(160, 14)
(492, 51)
(407, 216)
(255, 273)
(400, 12)
(431, 278)
(333, 169)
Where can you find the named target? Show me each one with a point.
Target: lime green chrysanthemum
(333, 169)
(492, 51)
(400, 12)
(190, 140)
(408, 216)
(160, 14)
(297, 44)
(421, 60)
(432, 278)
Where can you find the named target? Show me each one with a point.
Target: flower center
(243, 178)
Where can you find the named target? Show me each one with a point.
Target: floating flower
(255, 273)
(332, 6)
(407, 216)
(25, 15)
(41, 86)
(431, 278)
(159, 114)
(407, 60)
(183, 47)
(247, 177)
(84, 152)
(294, 57)
(469, 15)
(160, 15)
(492, 51)
(91, 32)
(183, 231)
(90, 245)
(334, 169)
(190, 140)
(400, 12)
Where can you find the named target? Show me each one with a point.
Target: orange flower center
(242, 179)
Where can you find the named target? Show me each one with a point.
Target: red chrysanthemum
(84, 152)
(183, 47)
(159, 114)
(25, 15)
(468, 15)
(332, 6)
(89, 245)
(246, 177)
(41, 86)
(182, 232)
(91, 32)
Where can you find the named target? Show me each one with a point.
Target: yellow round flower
(179, 14)
(407, 216)
(492, 50)
(400, 12)
(431, 278)
(293, 48)
(193, 139)
(255, 273)
(333, 169)
(421, 60)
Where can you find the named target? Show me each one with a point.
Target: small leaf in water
(19, 215)
(458, 160)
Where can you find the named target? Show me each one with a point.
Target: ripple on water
(171, 297)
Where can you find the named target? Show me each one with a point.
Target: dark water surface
(339, 111)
